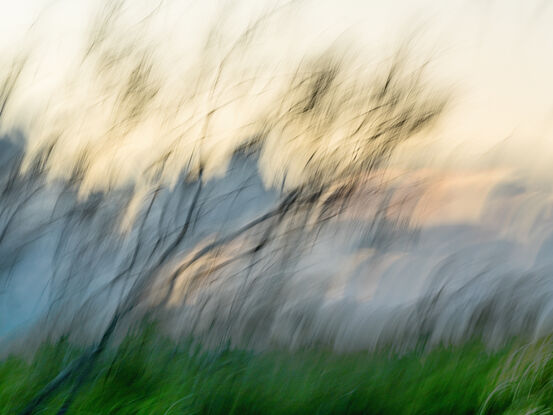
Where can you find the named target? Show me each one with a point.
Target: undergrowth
(150, 374)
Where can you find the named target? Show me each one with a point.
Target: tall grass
(149, 374)
(154, 236)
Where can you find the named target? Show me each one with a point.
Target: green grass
(149, 375)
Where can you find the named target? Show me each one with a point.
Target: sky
(493, 55)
